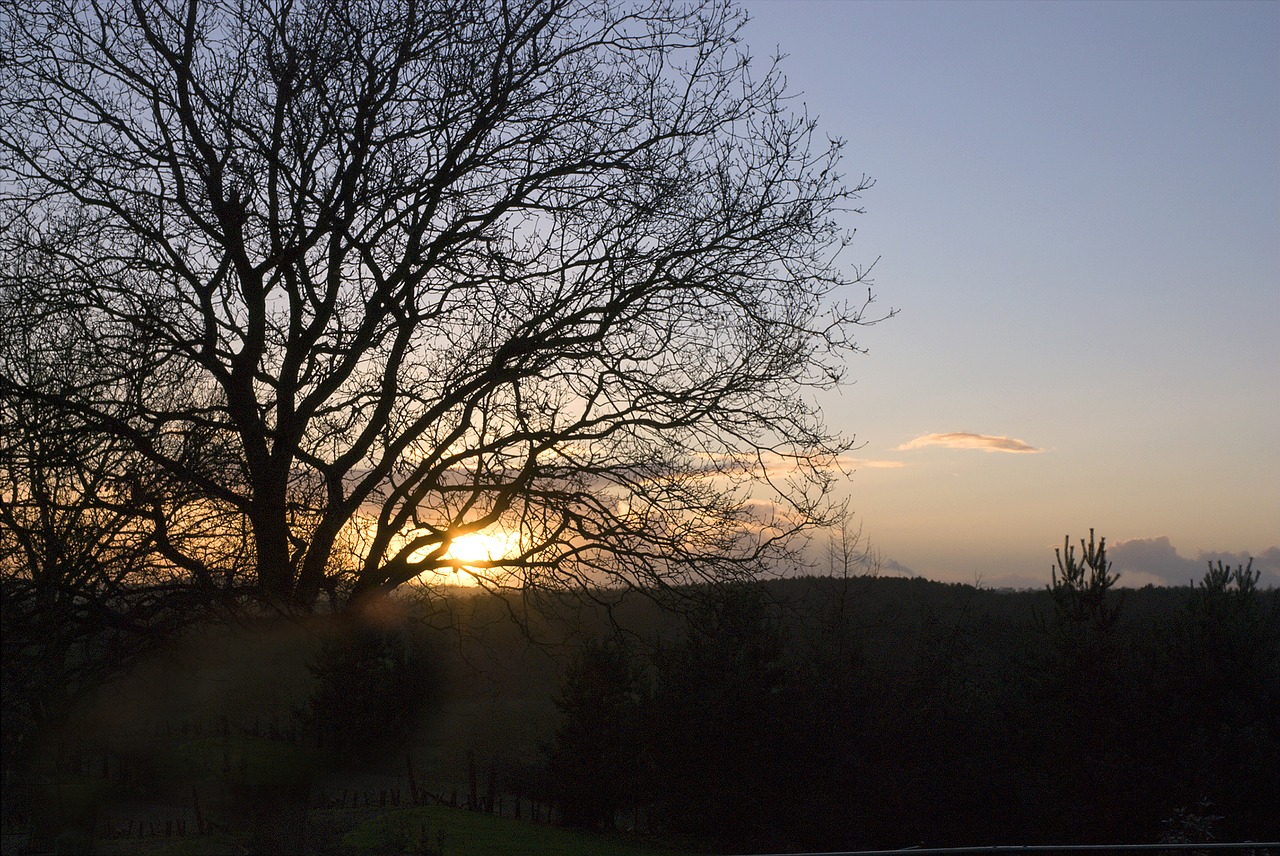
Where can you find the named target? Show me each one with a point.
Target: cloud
(774, 464)
(1155, 557)
(1146, 558)
(862, 463)
(963, 440)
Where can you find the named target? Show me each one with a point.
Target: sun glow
(467, 560)
(484, 546)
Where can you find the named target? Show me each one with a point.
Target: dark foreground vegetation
(877, 713)
(799, 714)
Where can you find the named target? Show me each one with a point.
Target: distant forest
(809, 713)
(819, 714)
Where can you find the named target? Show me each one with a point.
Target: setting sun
(484, 546)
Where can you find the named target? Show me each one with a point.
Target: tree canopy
(353, 278)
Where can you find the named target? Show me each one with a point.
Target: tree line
(816, 715)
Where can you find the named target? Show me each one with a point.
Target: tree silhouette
(1215, 678)
(84, 589)
(721, 729)
(594, 757)
(1077, 671)
(416, 268)
(1085, 598)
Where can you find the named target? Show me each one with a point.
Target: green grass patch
(441, 831)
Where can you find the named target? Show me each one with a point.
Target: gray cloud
(1157, 557)
(964, 440)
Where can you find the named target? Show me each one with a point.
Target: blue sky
(1077, 211)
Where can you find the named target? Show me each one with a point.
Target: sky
(1077, 215)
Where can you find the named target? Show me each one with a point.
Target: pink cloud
(963, 440)
(862, 463)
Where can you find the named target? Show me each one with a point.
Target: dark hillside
(805, 713)
(827, 713)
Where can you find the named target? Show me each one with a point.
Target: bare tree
(89, 534)
(425, 267)
(68, 538)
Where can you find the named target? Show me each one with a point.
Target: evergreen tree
(594, 757)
